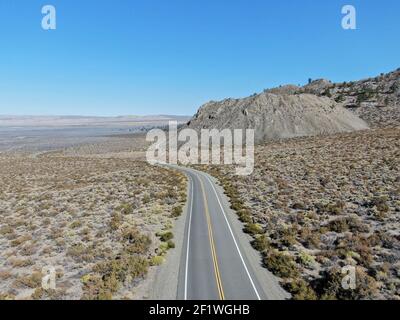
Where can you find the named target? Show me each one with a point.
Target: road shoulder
(163, 280)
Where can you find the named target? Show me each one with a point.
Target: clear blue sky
(117, 57)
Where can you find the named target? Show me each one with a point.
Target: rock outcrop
(278, 115)
(320, 107)
(375, 100)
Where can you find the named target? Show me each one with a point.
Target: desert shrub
(146, 199)
(6, 296)
(21, 263)
(157, 261)
(75, 224)
(116, 221)
(32, 281)
(334, 208)
(136, 242)
(299, 206)
(49, 294)
(94, 288)
(356, 225)
(171, 244)
(123, 267)
(380, 215)
(381, 204)
(285, 236)
(329, 286)
(20, 240)
(163, 248)
(176, 211)
(244, 216)
(79, 253)
(126, 208)
(165, 236)
(288, 236)
(281, 264)
(359, 248)
(37, 294)
(310, 238)
(236, 205)
(109, 276)
(4, 275)
(260, 243)
(171, 193)
(383, 239)
(305, 259)
(253, 228)
(300, 290)
(346, 224)
(6, 230)
(28, 250)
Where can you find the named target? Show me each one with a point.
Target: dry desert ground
(98, 213)
(103, 216)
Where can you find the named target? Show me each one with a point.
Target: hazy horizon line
(96, 116)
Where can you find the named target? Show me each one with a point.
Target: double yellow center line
(212, 244)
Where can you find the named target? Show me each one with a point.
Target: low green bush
(300, 290)
(176, 211)
(126, 208)
(116, 221)
(135, 241)
(338, 225)
(381, 204)
(253, 228)
(329, 286)
(165, 236)
(110, 275)
(260, 243)
(171, 244)
(281, 264)
(157, 261)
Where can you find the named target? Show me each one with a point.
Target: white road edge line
(188, 241)
(233, 237)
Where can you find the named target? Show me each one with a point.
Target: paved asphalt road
(213, 264)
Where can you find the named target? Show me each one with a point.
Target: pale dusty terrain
(97, 213)
(314, 205)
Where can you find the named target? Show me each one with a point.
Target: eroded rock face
(279, 115)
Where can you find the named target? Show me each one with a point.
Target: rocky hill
(320, 107)
(278, 116)
(375, 100)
